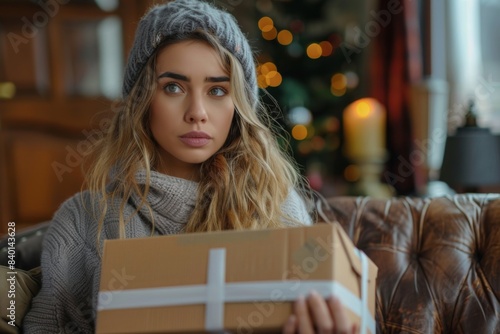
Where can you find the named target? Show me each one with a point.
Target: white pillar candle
(364, 130)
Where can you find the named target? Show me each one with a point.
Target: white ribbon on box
(217, 292)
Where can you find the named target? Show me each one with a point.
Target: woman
(191, 149)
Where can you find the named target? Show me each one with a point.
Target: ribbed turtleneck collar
(172, 200)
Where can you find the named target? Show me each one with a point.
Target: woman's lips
(195, 139)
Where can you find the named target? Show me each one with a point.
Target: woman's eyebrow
(173, 76)
(217, 79)
(185, 78)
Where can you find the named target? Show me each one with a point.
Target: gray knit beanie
(183, 17)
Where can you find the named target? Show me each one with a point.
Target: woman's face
(192, 108)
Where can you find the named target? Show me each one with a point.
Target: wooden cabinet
(64, 59)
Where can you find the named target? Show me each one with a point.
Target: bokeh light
(332, 124)
(314, 51)
(338, 84)
(338, 92)
(304, 147)
(295, 50)
(268, 75)
(352, 173)
(339, 81)
(299, 132)
(352, 79)
(267, 67)
(266, 24)
(270, 35)
(261, 81)
(285, 37)
(335, 39)
(273, 78)
(299, 115)
(318, 143)
(326, 48)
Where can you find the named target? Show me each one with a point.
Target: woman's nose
(196, 111)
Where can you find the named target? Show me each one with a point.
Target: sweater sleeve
(64, 303)
(296, 208)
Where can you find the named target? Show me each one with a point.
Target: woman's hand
(317, 315)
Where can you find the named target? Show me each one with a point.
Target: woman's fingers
(290, 325)
(304, 322)
(320, 313)
(315, 315)
(343, 324)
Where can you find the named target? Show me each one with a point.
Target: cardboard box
(241, 281)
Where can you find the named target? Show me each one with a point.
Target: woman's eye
(172, 88)
(218, 91)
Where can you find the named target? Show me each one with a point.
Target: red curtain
(396, 63)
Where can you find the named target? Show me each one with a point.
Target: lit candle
(364, 130)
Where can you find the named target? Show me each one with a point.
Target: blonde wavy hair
(243, 185)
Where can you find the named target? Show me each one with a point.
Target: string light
(270, 35)
(352, 79)
(266, 24)
(273, 78)
(268, 67)
(285, 37)
(304, 147)
(299, 115)
(314, 51)
(352, 173)
(261, 81)
(295, 50)
(268, 75)
(339, 81)
(326, 48)
(299, 132)
(318, 143)
(332, 124)
(338, 92)
(338, 84)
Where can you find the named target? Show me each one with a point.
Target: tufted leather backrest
(438, 260)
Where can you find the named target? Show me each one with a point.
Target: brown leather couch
(438, 259)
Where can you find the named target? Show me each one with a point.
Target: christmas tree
(309, 67)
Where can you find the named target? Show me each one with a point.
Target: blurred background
(377, 97)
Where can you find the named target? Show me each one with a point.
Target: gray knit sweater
(67, 301)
